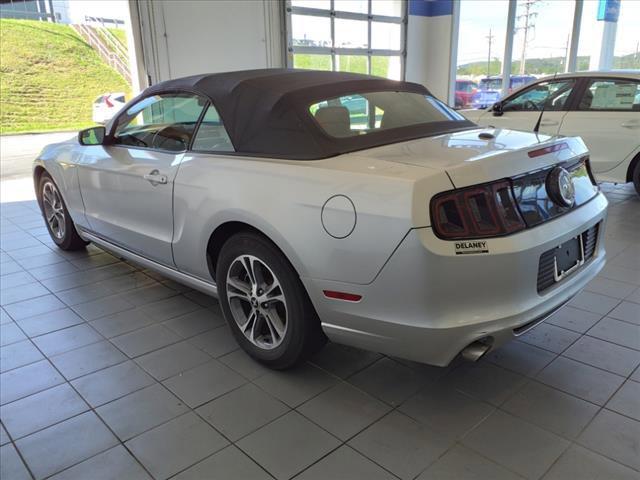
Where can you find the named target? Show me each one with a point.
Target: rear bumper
(428, 303)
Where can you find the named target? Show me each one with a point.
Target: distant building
(112, 13)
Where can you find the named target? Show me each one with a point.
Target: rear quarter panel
(284, 200)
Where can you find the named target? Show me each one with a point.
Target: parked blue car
(490, 89)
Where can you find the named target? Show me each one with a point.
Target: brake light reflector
(349, 297)
(481, 211)
(556, 147)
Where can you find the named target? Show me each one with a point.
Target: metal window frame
(333, 14)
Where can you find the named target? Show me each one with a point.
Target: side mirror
(497, 109)
(92, 136)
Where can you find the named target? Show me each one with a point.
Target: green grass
(345, 63)
(120, 34)
(49, 78)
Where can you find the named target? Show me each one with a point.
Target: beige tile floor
(109, 371)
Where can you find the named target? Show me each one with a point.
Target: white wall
(188, 37)
(430, 43)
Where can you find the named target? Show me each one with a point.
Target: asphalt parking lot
(16, 158)
(112, 371)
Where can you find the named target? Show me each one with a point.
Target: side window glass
(163, 122)
(619, 95)
(551, 95)
(212, 136)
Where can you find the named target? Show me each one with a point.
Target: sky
(77, 9)
(552, 27)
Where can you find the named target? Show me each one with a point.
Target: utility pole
(528, 17)
(565, 60)
(490, 38)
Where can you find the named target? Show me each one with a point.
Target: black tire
(303, 335)
(636, 177)
(68, 238)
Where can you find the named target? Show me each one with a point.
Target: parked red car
(465, 89)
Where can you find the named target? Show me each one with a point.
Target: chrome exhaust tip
(475, 351)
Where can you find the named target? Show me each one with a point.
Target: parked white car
(106, 106)
(601, 107)
(324, 204)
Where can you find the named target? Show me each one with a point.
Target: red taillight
(476, 212)
(349, 297)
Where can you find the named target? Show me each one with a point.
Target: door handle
(155, 178)
(631, 124)
(549, 122)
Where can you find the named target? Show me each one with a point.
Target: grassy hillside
(542, 66)
(120, 34)
(49, 77)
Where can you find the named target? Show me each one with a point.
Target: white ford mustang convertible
(320, 204)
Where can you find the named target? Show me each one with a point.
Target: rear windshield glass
(363, 113)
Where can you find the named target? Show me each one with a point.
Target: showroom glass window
(361, 36)
(542, 38)
(627, 38)
(483, 25)
(162, 122)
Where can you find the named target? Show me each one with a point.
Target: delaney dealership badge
(471, 247)
(560, 187)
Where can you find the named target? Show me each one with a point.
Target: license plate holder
(568, 257)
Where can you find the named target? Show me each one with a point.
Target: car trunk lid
(469, 159)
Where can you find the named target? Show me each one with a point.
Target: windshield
(363, 113)
(491, 84)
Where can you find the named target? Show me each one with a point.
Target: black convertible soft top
(266, 112)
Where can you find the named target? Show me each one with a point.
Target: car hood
(469, 159)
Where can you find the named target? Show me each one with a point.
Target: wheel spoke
(275, 295)
(250, 327)
(247, 325)
(47, 196)
(274, 337)
(242, 290)
(248, 267)
(274, 323)
(258, 272)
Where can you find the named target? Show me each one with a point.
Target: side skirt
(190, 281)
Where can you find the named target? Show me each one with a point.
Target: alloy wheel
(257, 302)
(53, 210)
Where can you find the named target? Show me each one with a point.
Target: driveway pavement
(16, 156)
(18, 151)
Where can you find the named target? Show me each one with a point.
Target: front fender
(60, 162)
